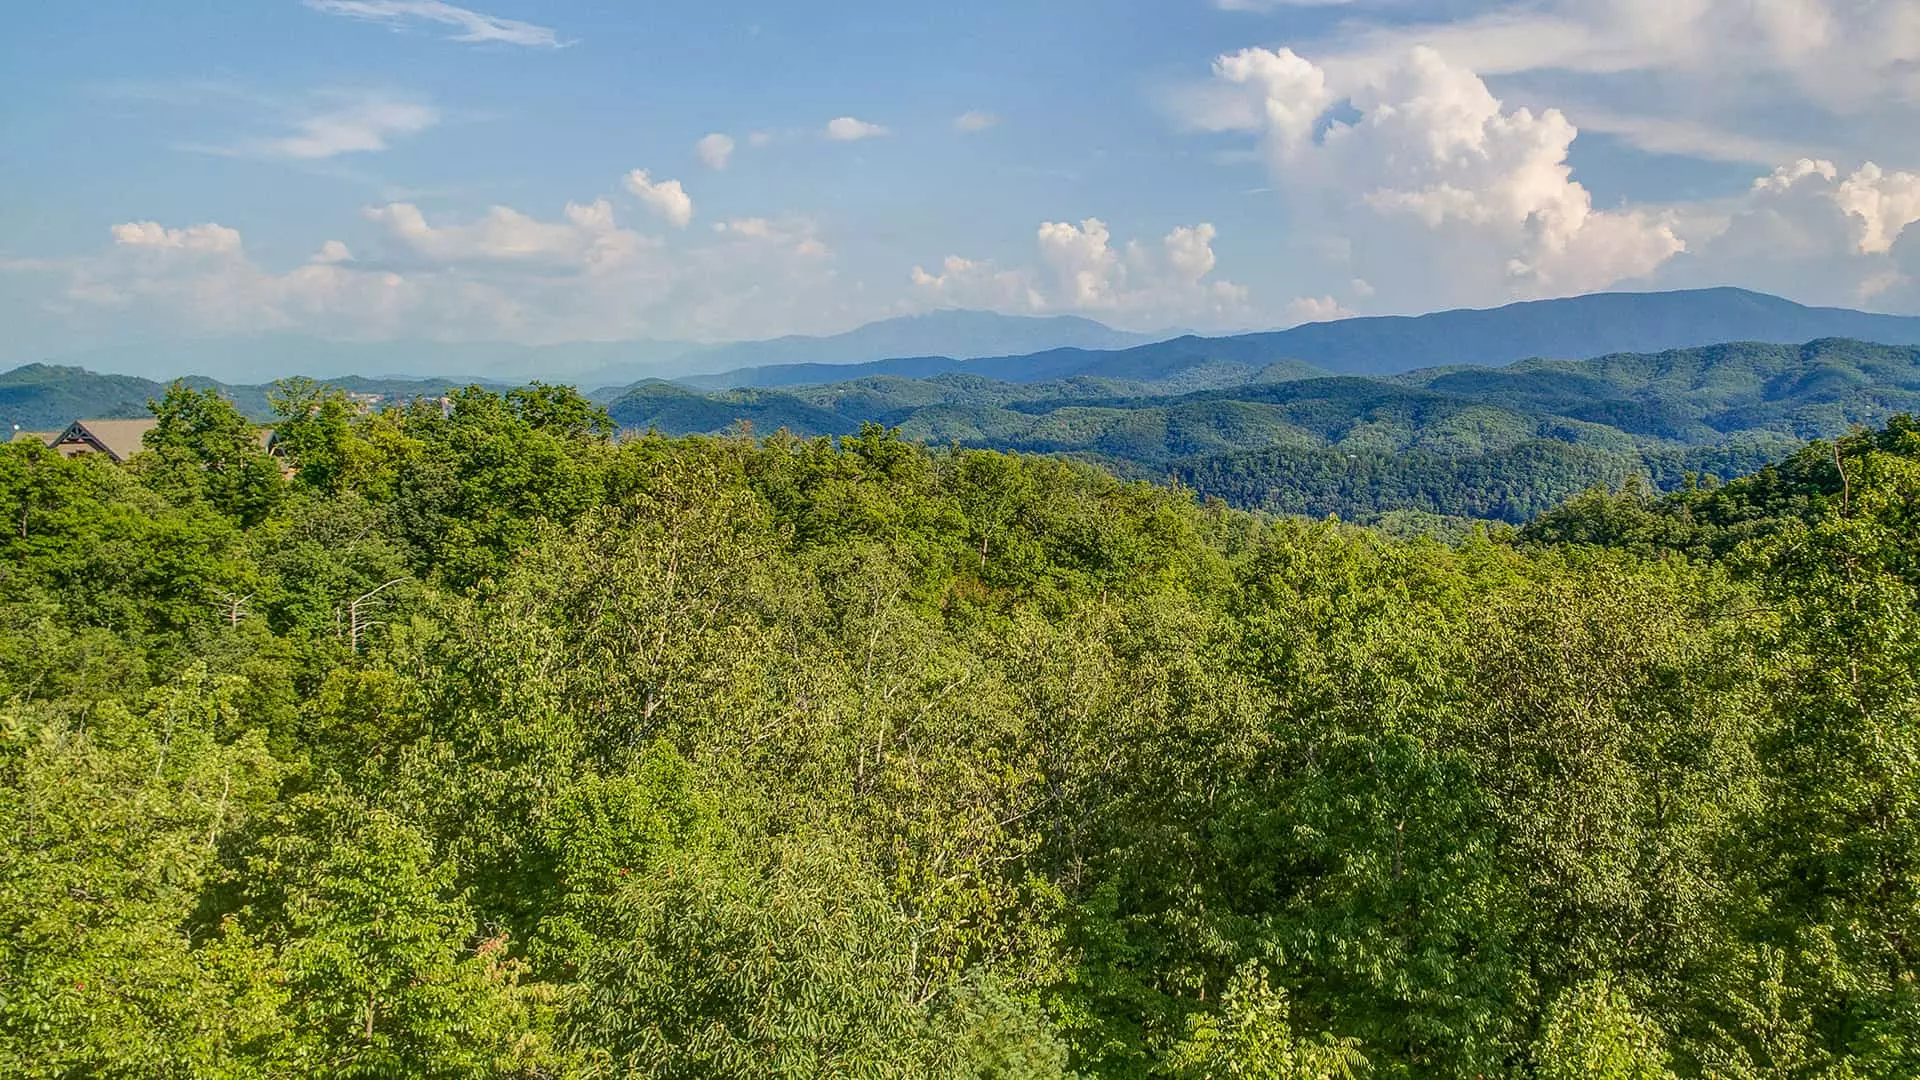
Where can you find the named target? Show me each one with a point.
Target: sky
(541, 171)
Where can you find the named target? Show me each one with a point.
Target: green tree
(1594, 1033)
(1250, 1038)
(202, 448)
(315, 431)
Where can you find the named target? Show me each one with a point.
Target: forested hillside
(488, 745)
(1502, 443)
(39, 397)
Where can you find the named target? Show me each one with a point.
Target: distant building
(118, 439)
(45, 438)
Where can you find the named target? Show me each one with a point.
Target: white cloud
(1742, 73)
(755, 228)
(199, 281)
(360, 126)
(587, 238)
(967, 283)
(1082, 262)
(848, 129)
(665, 198)
(1311, 309)
(799, 235)
(974, 121)
(1081, 270)
(1679, 137)
(1810, 231)
(471, 26)
(206, 239)
(1786, 177)
(1884, 203)
(1292, 94)
(1398, 164)
(715, 150)
(503, 276)
(1499, 213)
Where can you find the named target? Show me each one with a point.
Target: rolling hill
(44, 396)
(1501, 443)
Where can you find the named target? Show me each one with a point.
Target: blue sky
(552, 171)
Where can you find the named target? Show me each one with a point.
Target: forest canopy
(482, 743)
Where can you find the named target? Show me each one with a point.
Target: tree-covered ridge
(42, 397)
(1504, 443)
(487, 745)
(1709, 520)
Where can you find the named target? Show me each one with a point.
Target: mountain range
(1036, 349)
(1568, 328)
(262, 358)
(963, 335)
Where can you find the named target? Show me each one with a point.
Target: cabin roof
(118, 439)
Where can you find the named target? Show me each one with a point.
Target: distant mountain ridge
(41, 397)
(259, 359)
(1569, 328)
(973, 334)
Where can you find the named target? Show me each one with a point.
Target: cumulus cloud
(199, 280)
(1428, 144)
(1884, 204)
(207, 239)
(715, 150)
(1411, 180)
(1311, 309)
(1291, 93)
(665, 198)
(965, 282)
(333, 251)
(469, 26)
(848, 129)
(1813, 231)
(585, 238)
(974, 121)
(1081, 270)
